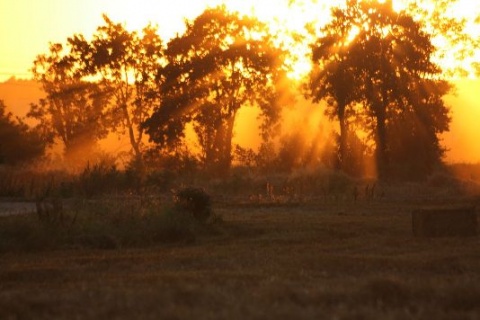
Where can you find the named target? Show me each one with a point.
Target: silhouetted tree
(412, 132)
(126, 65)
(18, 143)
(389, 56)
(73, 109)
(333, 77)
(223, 62)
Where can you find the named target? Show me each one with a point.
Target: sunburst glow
(287, 19)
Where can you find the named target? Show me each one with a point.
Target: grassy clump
(110, 223)
(194, 202)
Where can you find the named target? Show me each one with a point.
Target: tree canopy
(381, 59)
(18, 143)
(373, 67)
(223, 62)
(74, 109)
(126, 64)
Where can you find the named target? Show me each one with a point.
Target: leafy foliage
(372, 65)
(126, 64)
(18, 143)
(223, 62)
(74, 109)
(194, 201)
(382, 60)
(98, 86)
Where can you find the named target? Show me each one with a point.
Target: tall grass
(106, 223)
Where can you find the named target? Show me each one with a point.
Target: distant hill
(18, 94)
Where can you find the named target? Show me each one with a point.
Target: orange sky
(27, 26)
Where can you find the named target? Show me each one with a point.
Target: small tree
(126, 64)
(73, 110)
(97, 86)
(18, 143)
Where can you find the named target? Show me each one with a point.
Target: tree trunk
(379, 109)
(343, 136)
(227, 152)
(381, 143)
(221, 160)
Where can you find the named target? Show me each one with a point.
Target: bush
(194, 201)
(19, 143)
(161, 180)
(100, 178)
(442, 180)
(112, 222)
(132, 222)
(32, 184)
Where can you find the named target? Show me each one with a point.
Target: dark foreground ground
(355, 261)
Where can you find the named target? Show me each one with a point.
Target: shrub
(161, 180)
(110, 223)
(194, 201)
(100, 178)
(442, 180)
(20, 144)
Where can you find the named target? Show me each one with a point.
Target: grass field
(337, 260)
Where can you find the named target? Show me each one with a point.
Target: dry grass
(311, 261)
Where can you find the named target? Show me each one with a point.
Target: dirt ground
(308, 261)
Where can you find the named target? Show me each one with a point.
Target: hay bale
(444, 222)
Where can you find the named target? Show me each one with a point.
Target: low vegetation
(319, 259)
(110, 222)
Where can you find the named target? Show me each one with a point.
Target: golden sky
(27, 27)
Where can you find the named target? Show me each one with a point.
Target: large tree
(390, 66)
(223, 62)
(333, 77)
